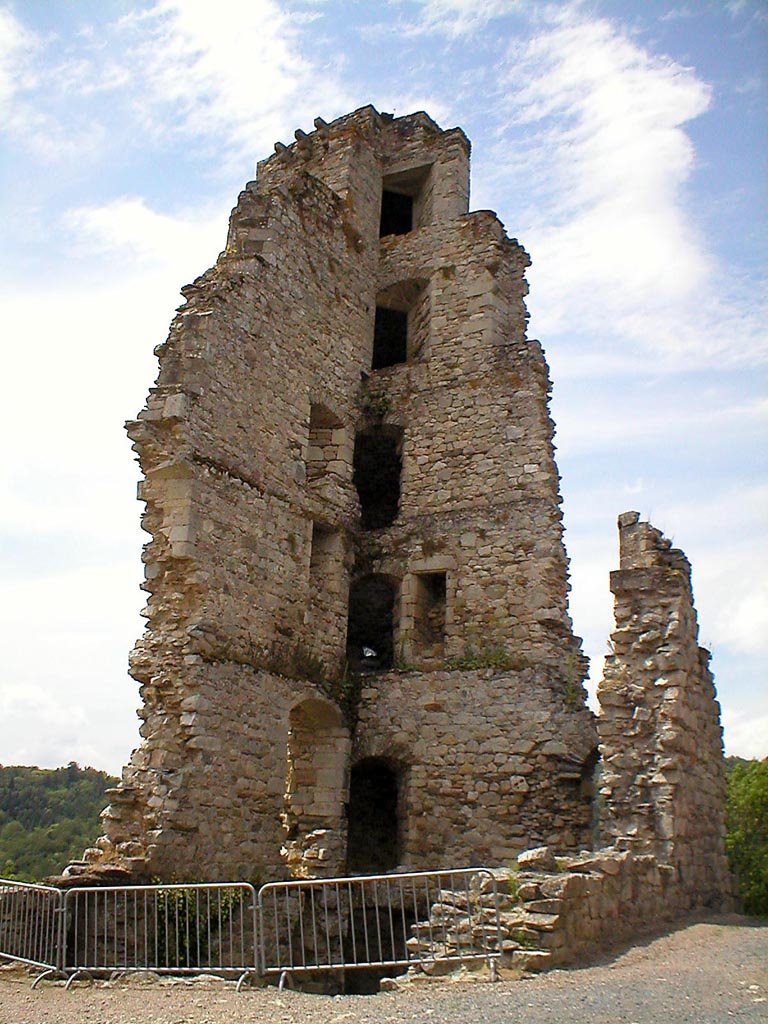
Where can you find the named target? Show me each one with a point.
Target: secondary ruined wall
(663, 777)
(252, 445)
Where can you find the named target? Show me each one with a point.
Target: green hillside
(48, 817)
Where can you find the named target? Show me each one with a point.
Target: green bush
(747, 836)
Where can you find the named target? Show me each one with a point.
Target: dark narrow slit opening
(390, 338)
(377, 467)
(373, 843)
(396, 214)
(370, 627)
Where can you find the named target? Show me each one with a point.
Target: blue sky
(624, 144)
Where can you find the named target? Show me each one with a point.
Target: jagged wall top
(340, 154)
(642, 546)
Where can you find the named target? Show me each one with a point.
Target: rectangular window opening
(396, 214)
(429, 611)
(405, 194)
(377, 468)
(370, 625)
(390, 338)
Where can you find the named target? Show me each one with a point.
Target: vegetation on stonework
(489, 655)
(48, 817)
(573, 692)
(345, 688)
(747, 831)
(513, 883)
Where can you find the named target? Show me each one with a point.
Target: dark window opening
(390, 338)
(396, 214)
(373, 845)
(429, 612)
(370, 627)
(377, 467)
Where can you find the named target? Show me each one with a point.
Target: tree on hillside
(747, 838)
(48, 817)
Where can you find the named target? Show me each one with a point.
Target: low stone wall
(569, 907)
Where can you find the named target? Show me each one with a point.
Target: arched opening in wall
(373, 843)
(401, 326)
(370, 627)
(377, 467)
(580, 777)
(317, 751)
(403, 200)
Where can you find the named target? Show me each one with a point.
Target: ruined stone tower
(663, 775)
(358, 652)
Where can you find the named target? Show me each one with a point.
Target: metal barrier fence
(291, 927)
(172, 929)
(31, 924)
(377, 921)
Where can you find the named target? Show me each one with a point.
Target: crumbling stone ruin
(663, 779)
(358, 652)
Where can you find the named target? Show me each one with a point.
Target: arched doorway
(313, 815)
(374, 832)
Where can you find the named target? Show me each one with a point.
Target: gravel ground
(708, 971)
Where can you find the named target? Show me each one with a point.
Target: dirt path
(708, 972)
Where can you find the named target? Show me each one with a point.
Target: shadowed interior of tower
(390, 338)
(377, 466)
(372, 814)
(396, 214)
(370, 626)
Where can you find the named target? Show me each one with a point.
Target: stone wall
(567, 909)
(494, 762)
(663, 775)
(560, 910)
(317, 488)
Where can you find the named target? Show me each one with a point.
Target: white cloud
(631, 419)
(456, 18)
(615, 160)
(29, 91)
(17, 45)
(230, 75)
(128, 227)
(746, 729)
(596, 139)
(69, 523)
(229, 70)
(742, 619)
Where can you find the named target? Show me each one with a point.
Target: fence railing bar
(351, 922)
(315, 950)
(300, 908)
(364, 911)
